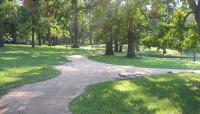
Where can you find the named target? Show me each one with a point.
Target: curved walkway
(54, 95)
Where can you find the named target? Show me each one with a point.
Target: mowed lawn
(148, 62)
(163, 94)
(21, 65)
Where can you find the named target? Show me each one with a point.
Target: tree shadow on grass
(167, 94)
(106, 100)
(180, 91)
(30, 76)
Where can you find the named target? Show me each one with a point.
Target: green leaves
(7, 9)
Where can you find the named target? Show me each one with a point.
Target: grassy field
(148, 62)
(150, 58)
(21, 65)
(164, 94)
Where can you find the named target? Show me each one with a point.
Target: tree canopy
(163, 24)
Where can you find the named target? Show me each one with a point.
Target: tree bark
(121, 47)
(49, 41)
(75, 43)
(1, 34)
(116, 45)
(13, 32)
(39, 39)
(164, 50)
(131, 45)
(181, 54)
(109, 48)
(33, 33)
(43, 40)
(49, 34)
(91, 43)
(196, 10)
(194, 55)
(56, 41)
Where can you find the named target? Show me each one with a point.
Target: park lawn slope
(21, 65)
(148, 62)
(163, 94)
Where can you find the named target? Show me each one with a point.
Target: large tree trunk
(116, 45)
(131, 45)
(109, 48)
(121, 47)
(13, 32)
(54, 41)
(75, 43)
(49, 41)
(33, 33)
(1, 34)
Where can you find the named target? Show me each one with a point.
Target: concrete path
(54, 95)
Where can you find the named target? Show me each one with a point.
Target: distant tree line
(163, 24)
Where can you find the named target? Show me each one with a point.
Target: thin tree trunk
(131, 45)
(43, 40)
(1, 34)
(33, 33)
(66, 41)
(53, 41)
(13, 32)
(197, 17)
(109, 48)
(164, 50)
(49, 34)
(187, 54)
(75, 43)
(91, 43)
(181, 54)
(194, 55)
(39, 39)
(56, 41)
(158, 49)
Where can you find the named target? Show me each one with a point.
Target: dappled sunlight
(17, 52)
(171, 94)
(125, 86)
(22, 64)
(12, 75)
(6, 80)
(7, 58)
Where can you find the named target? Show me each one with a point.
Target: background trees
(7, 13)
(149, 23)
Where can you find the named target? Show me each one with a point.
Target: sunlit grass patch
(164, 94)
(21, 65)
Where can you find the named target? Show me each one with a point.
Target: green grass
(163, 94)
(147, 62)
(21, 65)
(145, 58)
